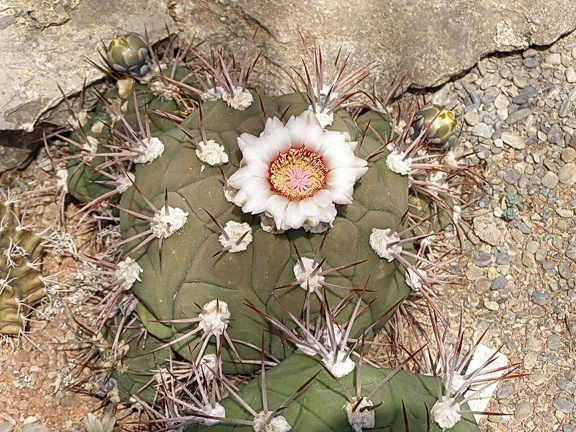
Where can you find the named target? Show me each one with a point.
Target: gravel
(518, 118)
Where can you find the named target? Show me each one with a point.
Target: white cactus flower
(297, 172)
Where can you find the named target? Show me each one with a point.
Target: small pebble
(540, 298)
(563, 404)
(513, 140)
(35, 427)
(553, 342)
(568, 154)
(550, 180)
(534, 344)
(499, 283)
(570, 74)
(505, 391)
(567, 174)
(491, 305)
(523, 410)
(530, 62)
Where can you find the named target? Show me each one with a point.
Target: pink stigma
(298, 179)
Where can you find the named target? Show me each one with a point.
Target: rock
(550, 180)
(35, 427)
(570, 74)
(485, 227)
(6, 426)
(523, 410)
(567, 174)
(45, 45)
(454, 37)
(513, 140)
(482, 130)
(568, 154)
(563, 404)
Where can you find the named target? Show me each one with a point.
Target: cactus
(20, 285)
(255, 226)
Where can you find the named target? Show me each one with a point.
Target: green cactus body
(416, 393)
(188, 269)
(189, 274)
(20, 285)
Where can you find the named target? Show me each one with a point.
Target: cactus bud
(439, 122)
(129, 53)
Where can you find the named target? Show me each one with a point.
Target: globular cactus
(253, 226)
(21, 287)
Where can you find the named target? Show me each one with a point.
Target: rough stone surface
(455, 35)
(47, 44)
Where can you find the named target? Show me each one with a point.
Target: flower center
(297, 174)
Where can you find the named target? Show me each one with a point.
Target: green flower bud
(129, 53)
(439, 123)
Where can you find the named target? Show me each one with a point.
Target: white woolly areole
(324, 117)
(414, 279)
(208, 365)
(444, 413)
(399, 163)
(338, 337)
(97, 127)
(124, 182)
(307, 350)
(277, 424)
(361, 418)
(148, 149)
(215, 411)
(234, 231)
(90, 145)
(239, 99)
(124, 87)
(62, 180)
(79, 120)
(381, 241)
(214, 317)
(303, 275)
(128, 271)
(339, 363)
(211, 152)
(212, 94)
(167, 221)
